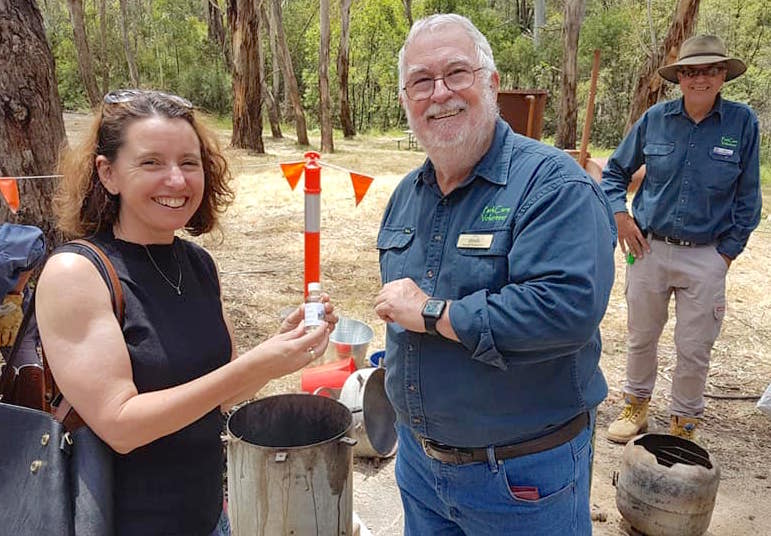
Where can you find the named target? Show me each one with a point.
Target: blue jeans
(476, 499)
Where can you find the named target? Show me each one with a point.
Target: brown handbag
(58, 472)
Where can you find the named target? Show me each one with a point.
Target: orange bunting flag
(10, 191)
(292, 171)
(360, 185)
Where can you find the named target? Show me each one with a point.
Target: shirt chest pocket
(394, 242)
(725, 168)
(658, 160)
(482, 267)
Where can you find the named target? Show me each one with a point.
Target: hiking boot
(632, 421)
(684, 427)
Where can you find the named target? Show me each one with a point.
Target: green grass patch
(217, 122)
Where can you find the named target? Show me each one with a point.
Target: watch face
(433, 308)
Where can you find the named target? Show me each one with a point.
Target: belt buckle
(424, 445)
(459, 456)
(677, 242)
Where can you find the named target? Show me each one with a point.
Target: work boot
(632, 421)
(684, 427)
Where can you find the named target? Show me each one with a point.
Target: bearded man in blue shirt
(697, 205)
(497, 262)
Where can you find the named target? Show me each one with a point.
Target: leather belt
(463, 455)
(673, 241)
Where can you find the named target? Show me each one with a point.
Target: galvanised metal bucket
(351, 338)
(290, 467)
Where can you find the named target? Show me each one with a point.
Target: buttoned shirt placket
(439, 226)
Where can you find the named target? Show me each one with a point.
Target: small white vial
(314, 309)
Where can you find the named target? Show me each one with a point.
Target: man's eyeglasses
(127, 95)
(712, 70)
(456, 79)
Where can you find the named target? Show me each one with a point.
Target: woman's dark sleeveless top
(172, 486)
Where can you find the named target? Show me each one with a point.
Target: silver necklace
(178, 286)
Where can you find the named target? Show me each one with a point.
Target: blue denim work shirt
(524, 248)
(22, 247)
(702, 180)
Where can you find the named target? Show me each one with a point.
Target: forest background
(183, 46)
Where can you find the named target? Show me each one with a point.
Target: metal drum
(290, 467)
(373, 417)
(667, 486)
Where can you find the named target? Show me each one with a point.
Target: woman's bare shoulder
(72, 279)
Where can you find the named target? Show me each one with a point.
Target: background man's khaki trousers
(696, 276)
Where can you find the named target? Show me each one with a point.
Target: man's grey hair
(435, 23)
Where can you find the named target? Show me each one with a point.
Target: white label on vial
(314, 314)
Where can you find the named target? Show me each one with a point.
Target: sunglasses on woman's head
(127, 95)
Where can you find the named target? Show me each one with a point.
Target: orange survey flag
(10, 191)
(360, 185)
(292, 171)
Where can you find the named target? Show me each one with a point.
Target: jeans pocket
(554, 511)
(551, 473)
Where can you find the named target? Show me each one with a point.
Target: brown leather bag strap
(64, 412)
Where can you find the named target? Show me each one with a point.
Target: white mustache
(437, 109)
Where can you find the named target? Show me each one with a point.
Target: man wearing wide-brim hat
(691, 217)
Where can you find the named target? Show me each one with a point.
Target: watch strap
(430, 323)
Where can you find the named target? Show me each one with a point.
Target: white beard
(460, 148)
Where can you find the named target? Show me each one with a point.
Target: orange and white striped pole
(312, 218)
(312, 168)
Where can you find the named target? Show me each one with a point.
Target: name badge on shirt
(722, 151)
(475, 241)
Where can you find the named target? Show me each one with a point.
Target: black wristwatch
(432, 312)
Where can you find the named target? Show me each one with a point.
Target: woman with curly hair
(153, 387)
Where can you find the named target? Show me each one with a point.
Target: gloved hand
(10, 318)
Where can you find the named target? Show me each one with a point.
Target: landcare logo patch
(728, 141)
(495, 213)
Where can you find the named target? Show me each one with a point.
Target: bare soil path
(260, 255)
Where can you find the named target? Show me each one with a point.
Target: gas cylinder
(667, 486)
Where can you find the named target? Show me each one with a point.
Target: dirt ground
(259, 252)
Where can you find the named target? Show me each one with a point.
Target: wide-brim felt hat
(703, 50)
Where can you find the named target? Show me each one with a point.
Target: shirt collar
(493, 166)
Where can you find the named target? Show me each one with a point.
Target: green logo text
(728, 141)
(495, 213)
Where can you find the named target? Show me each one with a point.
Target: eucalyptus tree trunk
(85, 65)
(271, 93)
(539, 20)
(132, 65)
(650, 87)
(244, 22)
(275, 69)
(325, 101)
(349, 131)
(408, 11)
(216, 30)
(290, 81)
(103, 60)
(568, 113)
(31, 124)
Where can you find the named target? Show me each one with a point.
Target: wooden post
(530, 115)
(582, 156)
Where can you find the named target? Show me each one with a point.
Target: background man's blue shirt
(22, 247)
(526, 308)
(702, 181)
